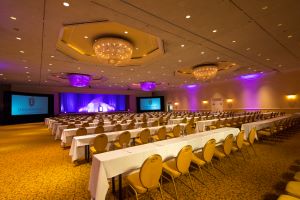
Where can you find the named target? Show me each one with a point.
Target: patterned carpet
(34, 166)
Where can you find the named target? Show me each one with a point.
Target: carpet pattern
(34, 166)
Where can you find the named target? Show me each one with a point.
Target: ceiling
(258, 35)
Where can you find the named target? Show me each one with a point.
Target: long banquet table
(111, 164)
(77, 150)
(261, 124)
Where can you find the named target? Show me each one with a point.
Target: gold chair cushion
(219, 154)
(138, 141)
(134, 181)
(246, 143)
(234, 148)
(170, 168)
(197, 160)
(93, 150)
(155, 137)
(297, 176)
(171, 135)
(287, 197)
(117, 145)
(293, 187)
(266, 133)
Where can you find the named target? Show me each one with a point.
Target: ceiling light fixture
(215, 30)
(85, 37)
(188, 16)
(114, 50)
(126, 32)
(279, 25)
(21, 51)
(205, 72)
(202, 52)
(13, 18)
(52, 56)
(79, 80)
(182, 45)
(290, 36)
(66, 4)
(148, 85)
(265, 8)
(18, 38)
(233, 41)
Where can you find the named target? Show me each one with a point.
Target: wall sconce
(291, 97)
(205, 102)
(229, 100)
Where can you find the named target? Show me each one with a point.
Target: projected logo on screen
(31, 101)
(150, 104)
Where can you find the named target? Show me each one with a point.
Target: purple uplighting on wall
(192, 91)
(191, 86)
(251, 76)
(148, 85)
(79, 80)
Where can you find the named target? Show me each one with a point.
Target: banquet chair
(251, 139)
(71, 126)
(215, 125)
(118, 127)
(77, 122)
(178, 166)
(143, 137)
(287, 197)
(155, 123)
(189, 129)
(99, 129)
(85, 125)
(293, 188)
(81, 131)
(205, 157)
(144, 125)
(122, 141)
(124, 121)
(112, 122)
(227, 148)
(100, 123)
(64, 123)
(147, 178)
(99, 145)
(175, 132)
(184, 120)
(267, 132)
(161, 134)
(237, 147)
(130, 126)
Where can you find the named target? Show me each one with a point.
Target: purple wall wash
(192, 96)
(74, 103)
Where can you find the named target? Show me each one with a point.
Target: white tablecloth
(113, 163)
(261, 124)
(78, 143)
(178, 120)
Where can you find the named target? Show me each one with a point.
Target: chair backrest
(183, 159)
(130, 126)
(155, 123)
(145, 136)
(252, 135)
(151, 171)
(189, 129)
(85, 125)
(71, 126)
(100, 143)
(118, 127)
(184, 120)
(81, 131)
(64, 123)
(161, 133)
(124, 138)
(99, 129)
(144, 125)
(77, 122)
(176, 130)
(240, 139)
(112, 122)
(124, 121)
(228, 143)
(100, 123)
(209, 150)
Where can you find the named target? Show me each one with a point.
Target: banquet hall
(140, 99)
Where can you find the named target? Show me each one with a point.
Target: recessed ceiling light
(290, 36)
(148, 72)
(29, 80)
(279, 65)
(268, 59)
(137, 48)
(52, 56)
(1, 74)
(180, 61)
(50, 64)
(182, 45)
(46, 81)
(261, 72)
(21, 51)
(49, 70)
(13, 18)
(218, 58)
(27, 72)
(188, 16)
(233, 41)
(78, 68)
(249, 67)
(18, 38)
(66, 4)
(215, 30)
(85, 37)
(131, 69)
(279, 25)
(265, 8)
(102, 71)
(248, 49)
(26, 67)
(259, 54)
(202, 52)
(126, 32)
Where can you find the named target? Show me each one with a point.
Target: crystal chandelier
(205, 72)
(114, 50)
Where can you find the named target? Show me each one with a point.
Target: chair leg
(242, 154)
(201, 172)
(174, 187)
(161, 194)
(253, 150)
(191, 181)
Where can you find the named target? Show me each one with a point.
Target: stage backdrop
(75, 103)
